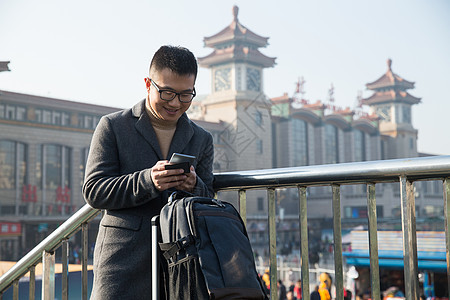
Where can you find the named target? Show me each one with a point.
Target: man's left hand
(190, 181)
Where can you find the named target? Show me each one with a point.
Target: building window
(437, 187)
(10, 112)
(299, 142)
(83, 159)
(52, 159)
(259, 146)
(87, 121)
(258, 118)
(7, 164)
(65, 120)
(54, 168)
(238, 79)
(331, 144)
(96, 120)
(21, 113)
(260, 202)
(53, 117)
(360, 145)
(38, 113)
(56, 118)
(38, 170)
(46, 116)
(12, 164)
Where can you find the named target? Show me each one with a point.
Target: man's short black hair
(178, 59)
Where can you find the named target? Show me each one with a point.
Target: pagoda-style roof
(372, 117)
(235, 32)
(389, 97)
(367, 123)
(236, 43)
(236, 53)
(344, 112)
(281, 99)
(4, 66)
(390, 80)
(309, 115)
(338, 120)
(317, 105)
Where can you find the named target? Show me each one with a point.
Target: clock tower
(392, 103)
(237, 97)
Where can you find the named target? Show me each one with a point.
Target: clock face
(253, 79)
(222, 79)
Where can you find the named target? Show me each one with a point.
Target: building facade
(44, 144)
(302, 133)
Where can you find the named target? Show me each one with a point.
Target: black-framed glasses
(169, 95)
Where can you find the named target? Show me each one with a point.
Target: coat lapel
(145, 128)
(182, 135)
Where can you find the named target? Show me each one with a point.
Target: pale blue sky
(99, 51)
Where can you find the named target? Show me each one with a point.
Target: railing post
(337, 234)
(373, 242)
(16, 289)
(84, 261)
(32, 284)
(304, 242)
(409, 238)
(446, 184)
(243, 206)
(48, 275)
(272, 244)
(65, 270)
(155, 254)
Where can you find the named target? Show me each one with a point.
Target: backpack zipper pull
(218, 203)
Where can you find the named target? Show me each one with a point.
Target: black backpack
(208, 252)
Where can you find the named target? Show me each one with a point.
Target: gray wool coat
(123, 149)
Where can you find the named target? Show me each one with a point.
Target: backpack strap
(171, 249)
(178, 194)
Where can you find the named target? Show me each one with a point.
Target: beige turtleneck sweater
(164, 130)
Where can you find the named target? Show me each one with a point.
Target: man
(281, 290)
(126, 175)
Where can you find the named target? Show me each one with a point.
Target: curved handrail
(65, 230)
(433, 167)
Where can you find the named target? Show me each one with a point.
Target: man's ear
(147, 83)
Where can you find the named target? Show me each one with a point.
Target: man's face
(168, 80)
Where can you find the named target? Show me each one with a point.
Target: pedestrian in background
(281, 290)
(315, 294)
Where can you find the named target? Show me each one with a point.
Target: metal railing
(403, 171)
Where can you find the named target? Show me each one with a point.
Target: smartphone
(181, 161)
(178, 158)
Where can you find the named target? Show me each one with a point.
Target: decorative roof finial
(235, 12)
(389, 63)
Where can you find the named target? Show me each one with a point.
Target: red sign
(29, 193)
(63, 194)
(10, 229)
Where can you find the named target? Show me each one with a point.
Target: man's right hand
(165, 179)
